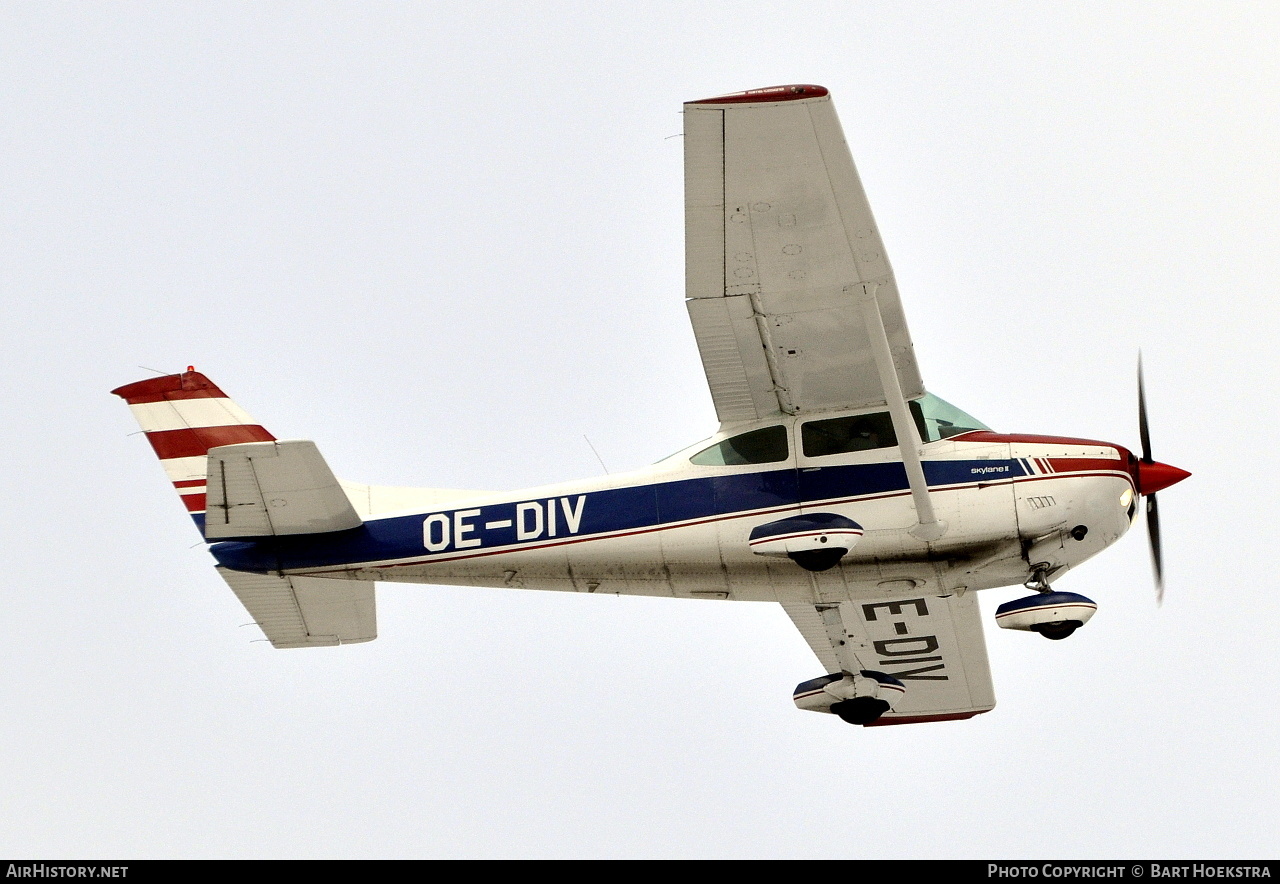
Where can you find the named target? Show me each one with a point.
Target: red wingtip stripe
(188, 385)
(196, 442)
(769, 93)
(921, 719)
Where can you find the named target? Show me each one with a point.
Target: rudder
(183, 416)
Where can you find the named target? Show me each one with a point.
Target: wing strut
(929, 527)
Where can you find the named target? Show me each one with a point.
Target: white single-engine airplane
(837, 487)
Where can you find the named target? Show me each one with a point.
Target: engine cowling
(814, 541)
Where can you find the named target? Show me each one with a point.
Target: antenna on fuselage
(597, 454)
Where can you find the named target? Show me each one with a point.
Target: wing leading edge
(777, 227)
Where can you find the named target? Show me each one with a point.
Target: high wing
(933, 645)
(777, 228)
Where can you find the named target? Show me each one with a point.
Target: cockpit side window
(841, 435)
(758, 446)
(935, 419)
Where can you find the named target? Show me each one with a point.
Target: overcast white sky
(446, 242)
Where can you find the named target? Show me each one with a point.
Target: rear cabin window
(759, 446)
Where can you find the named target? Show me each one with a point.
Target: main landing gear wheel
(860, 710)
(818, 559)
(1057, 631)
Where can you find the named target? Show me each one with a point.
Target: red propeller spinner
(1154, 476)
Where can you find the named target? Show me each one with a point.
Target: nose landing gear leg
(1039, 579)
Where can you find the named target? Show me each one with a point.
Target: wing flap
(306, 612)
(733, 358)
(262, 489)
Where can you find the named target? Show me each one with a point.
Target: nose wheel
(1055, 615)
(1039, 582)
(1057, 631)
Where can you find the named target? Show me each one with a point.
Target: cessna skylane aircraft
(870, 509)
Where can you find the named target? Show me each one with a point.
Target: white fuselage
(681, 530)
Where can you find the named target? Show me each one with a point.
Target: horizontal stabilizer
(264, 489)
(307, 612)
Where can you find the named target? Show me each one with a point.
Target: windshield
(939, 419)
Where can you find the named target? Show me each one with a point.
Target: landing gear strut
(1039, 579)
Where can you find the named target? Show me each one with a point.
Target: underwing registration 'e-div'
(837, 486)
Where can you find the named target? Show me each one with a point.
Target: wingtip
(794, 92)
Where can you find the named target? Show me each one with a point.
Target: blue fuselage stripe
(516, 524)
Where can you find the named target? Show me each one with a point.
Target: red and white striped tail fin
(184, 415)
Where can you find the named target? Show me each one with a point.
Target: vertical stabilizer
(184, 415)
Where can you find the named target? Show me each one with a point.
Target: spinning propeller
(1153, 476)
